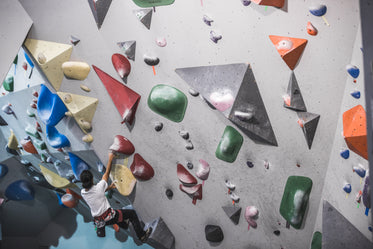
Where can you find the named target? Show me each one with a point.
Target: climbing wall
(239, 151)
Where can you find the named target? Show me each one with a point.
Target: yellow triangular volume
(50, 56)
(81, 107)
(54, 179)
(12, 141)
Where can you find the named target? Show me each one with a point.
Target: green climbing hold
(230, 144)
(40, 145)
(44, 158)
(152, 3)
(8, 83)
(32, 131)
(168, 102)
(295, 199)
(15, 61)
(316, 240)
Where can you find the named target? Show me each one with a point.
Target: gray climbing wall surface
(320, 75)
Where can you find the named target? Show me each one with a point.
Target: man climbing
(101, 210)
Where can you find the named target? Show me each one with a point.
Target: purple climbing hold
(249, 164)
(353, 71)
(355, 94)
(245, 2)
(347, 188)
(345, 154)
(206, 19)
(214, 36)
(20, 190)
(359, 170)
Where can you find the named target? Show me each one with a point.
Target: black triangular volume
(2, 122)
(295, 95)
(338, 232)
(310, 122)
(99, 10)
(233, 212)
(248, 101)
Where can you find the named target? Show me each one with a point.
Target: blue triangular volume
(3, 170)
(345, 154)
(77, 165)
(56, 139)
(20, 190)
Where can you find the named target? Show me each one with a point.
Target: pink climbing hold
(122, 145)
(222, 100)
(203, 170)
(184, 176)
(141, 169)
(251, 214)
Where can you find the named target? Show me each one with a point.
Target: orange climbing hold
(289, 48)
(275, 3)
(355, 130)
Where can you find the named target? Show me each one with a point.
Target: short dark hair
(87, 179)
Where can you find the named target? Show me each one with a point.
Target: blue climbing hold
(370, 228)
(20, 190)
(78, 165)
(28, 59)
(353, 71)
(356, 94)
(56, 139)
(359, 170)
(59, 196)
(318, 10)
(347, 188)
(50, 107)
(345, 154)
(3, 170)
(366, 211)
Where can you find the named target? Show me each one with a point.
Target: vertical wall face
(245, 31)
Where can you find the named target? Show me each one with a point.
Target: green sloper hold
(30, 130)
(8, 83)
(229, 146)
(316, 240)
(152, 3)
(40, 144)
(168, 102)
(295, 199)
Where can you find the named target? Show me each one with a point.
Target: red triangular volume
(185, 177)
(125, 99)
(289, 48)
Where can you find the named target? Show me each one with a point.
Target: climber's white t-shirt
(96, 199)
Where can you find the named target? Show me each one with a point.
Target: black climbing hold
(277, 232)
(189, 146)
(184, 134)
(2, 122)
(158, 126)
(169, 194)
(233, 212)
(214, 233)
(249, 164)
(151, 61)
(190, 165)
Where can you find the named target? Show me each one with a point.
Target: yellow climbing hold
(50, 56)
(12, 141)
(123, 178)
(81, 107)
(76, 70)
(54, 179)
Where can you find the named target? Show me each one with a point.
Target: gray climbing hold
(169, 194)
(193, 92)
(145, 16)
(128, 48)
(294, 99)
(189, 146)
(233, 212)
(189, 165)
(161, 237)
(215, 37)
(2, 121)
(184, 134)
(208, 20)
(158, 126)
(74, 40)
(99, 9)
(308, 122)
(338, 232)
(213, 233)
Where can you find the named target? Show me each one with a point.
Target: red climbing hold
(141, 169)
(122, 145)
(195, 192)
(184, 176)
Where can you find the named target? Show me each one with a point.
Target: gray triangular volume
(145, 16)
(74, 40)
(338, 232)
(99, 9)
(233, 212)
(249, 113)
(128, 48)
(2, 121)
(310, 121)
(296, 99)
(224, 80)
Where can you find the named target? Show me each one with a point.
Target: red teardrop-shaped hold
(184, 176)
(122, 145)
(28, 146)
(121, 65)
(141, 169)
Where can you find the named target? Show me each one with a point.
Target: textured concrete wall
(321, 76)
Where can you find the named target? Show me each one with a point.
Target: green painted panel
(316, 240)
(229, 146)
(168, 102)
(152, 3)
(295, 199)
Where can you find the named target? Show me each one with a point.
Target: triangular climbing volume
(294, 99)
(125, 99)
(128, 48)
(308, 122)
(232, 89)
(145, 16)
(81, 107)
(289, 48)
(275, 3)
(50, 56)
(2, 121)
(99, 10)
(233, 212)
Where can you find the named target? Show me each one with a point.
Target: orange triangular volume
(125, 99)
(275, 3)
(355, 130)
(289, 48)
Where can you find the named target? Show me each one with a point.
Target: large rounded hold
(20, 190)
(168, 102)
(122, 145)
(141, 169)
(214, 233)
